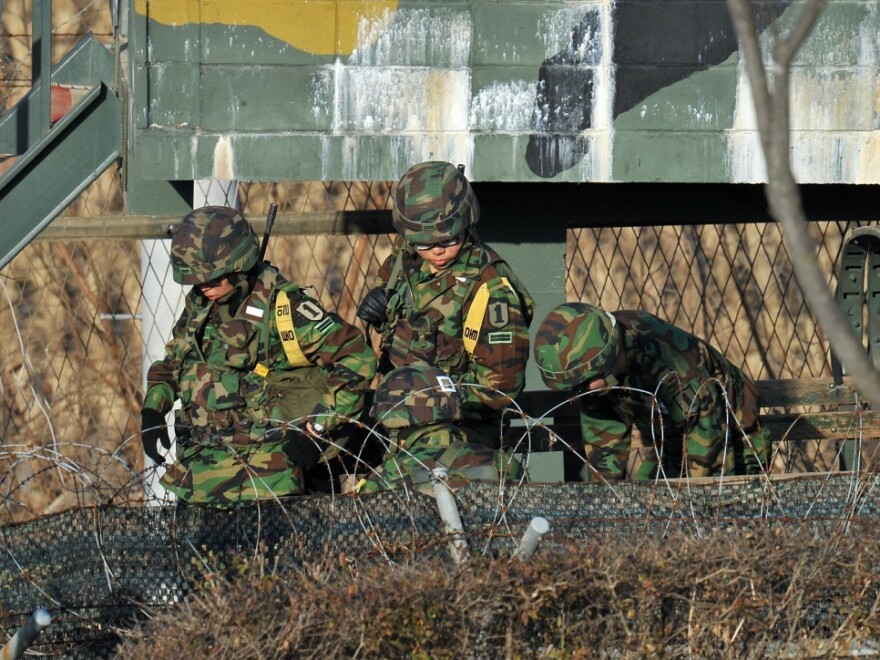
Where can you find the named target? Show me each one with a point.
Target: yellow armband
(474, 321)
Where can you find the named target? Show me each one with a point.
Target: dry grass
(734, 593)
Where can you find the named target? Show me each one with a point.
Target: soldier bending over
(697, 413)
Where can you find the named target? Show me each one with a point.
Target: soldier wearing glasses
(446, 299)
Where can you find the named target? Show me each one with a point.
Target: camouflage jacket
(674, 391)
(236, 377)
(426, 316)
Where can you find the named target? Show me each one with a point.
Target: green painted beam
(533, 243)
(88, 63)
(541, 268)
(78, 148)
(155, 197)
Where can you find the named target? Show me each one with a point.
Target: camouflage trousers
(465, 461)
(643, 462)
(224, 474)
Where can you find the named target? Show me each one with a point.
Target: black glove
(372, 307)
(153, 430)
(301, 449)
(182, 434)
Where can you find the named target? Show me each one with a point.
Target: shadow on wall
(655, 32)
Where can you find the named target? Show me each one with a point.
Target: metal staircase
(54, 163)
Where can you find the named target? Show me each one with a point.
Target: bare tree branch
(783, 196)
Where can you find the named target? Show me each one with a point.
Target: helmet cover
(574, 343)
(415, 395)
(433, 202)
(212, 242)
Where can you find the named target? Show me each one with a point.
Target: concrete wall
(633, 90)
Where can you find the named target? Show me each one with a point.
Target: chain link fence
(80, 329)
(732, 284)
(72, 375)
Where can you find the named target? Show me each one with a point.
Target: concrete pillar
(162, 299)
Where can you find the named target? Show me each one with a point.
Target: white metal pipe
(26, 635)
(162, 301)
(450, 516)
(529, 542)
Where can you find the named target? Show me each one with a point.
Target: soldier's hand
(301, 449)
(154, 431)
(182, 434)
(372, 307)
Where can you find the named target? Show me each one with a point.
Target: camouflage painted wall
(632, 90)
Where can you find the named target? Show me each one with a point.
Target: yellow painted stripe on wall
(320, 27)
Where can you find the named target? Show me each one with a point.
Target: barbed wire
(95, 470)
(100, 505)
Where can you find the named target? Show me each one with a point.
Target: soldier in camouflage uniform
(446, 299)
(250, 352)
(419, 407)
(697, 413)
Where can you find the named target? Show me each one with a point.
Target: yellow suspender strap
(284, 321)
(474, 320)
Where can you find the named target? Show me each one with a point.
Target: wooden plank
(156, 227)
(806, 392)
(825, 425)
(773, 393)
(811, 424)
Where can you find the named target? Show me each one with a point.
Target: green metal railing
(54, 163)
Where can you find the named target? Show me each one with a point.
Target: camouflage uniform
(426, 314)
(673, 387)
(419, 406)
(265, 354)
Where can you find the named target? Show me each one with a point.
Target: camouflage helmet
(576, 342)
(433, 201)
(415, 395)
(211, 242)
